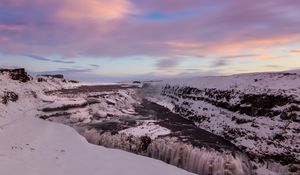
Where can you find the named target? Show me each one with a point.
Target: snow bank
(36, 147)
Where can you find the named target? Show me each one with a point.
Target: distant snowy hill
(297, 71)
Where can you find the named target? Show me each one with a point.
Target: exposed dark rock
(285, 159)
(108, 126)
(268, 103)
(58, 114)
(249, 104)
(242, 121)
(64, 107)
(40, 79)
(110, 103)
(73, 81)
(9, 96)
(145, 142)
(265, 100)
(293, 168)
(60, 76)
(279, 137)
(85, 89)
(289, 116)
(17, 74)
(254, 125)
(293, 108)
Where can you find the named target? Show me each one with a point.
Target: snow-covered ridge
(258, 112)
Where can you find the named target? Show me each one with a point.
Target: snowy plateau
(232, 125)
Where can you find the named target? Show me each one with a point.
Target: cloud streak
(295, 51)
(239, 56)
(167, 63)
(219, 63)
(49, 60)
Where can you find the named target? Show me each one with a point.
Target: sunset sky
(114, 40)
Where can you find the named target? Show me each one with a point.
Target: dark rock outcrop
(9, 96)
(60, 76)
(17, 74)
(73, 81)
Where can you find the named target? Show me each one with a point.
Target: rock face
(244, 108)
(259, 113)
(17, 74)
(236, 101)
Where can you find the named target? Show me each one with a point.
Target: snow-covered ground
(31, 146)
(36, 147)
(258, 112)
(220, 105)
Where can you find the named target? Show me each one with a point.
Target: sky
(116, 40)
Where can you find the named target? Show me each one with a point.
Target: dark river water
(183, 128)
(195, 149)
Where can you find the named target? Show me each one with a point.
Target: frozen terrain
(259, 113)
(182, 122)
(116, 116)
(31, 146)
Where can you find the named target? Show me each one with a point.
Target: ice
(148, 128)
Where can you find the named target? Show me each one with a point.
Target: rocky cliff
(260, 113)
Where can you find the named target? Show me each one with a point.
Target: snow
(162, 102)
(264, 171)
(118, 108)
(38, 147)
(245, 82)
(258, 130)
(148, 128)
(117, 104)
(35, 147)
(30, 146)
(255, 83)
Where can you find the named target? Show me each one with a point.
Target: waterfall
(201, 161)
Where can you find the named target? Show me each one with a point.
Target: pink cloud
(295, 51)
(94, 9)
(108, 28)
(171, 5)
